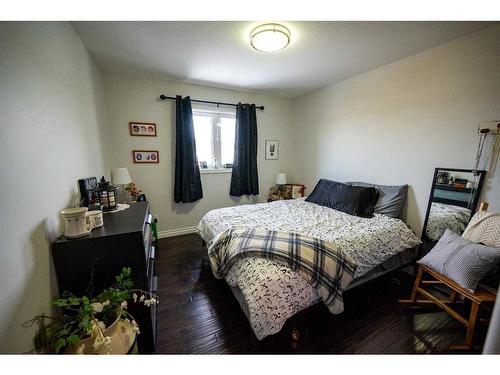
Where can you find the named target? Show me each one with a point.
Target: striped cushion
(484, 228)
(461, 260)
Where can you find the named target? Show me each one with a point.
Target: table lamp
(121, 177)
(280, 179)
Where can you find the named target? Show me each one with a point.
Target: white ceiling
(219, 53)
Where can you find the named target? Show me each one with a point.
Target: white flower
(106, 303)
(97, 307)
(134, 297)
(142, 298)
(135, 327)
(101, 325)
(124, 305)
(96, 328)
(97, 343)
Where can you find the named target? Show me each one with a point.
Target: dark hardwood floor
(199, 314)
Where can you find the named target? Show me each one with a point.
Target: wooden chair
(478, 299)
(483, 296)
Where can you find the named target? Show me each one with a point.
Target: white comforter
(273, 292)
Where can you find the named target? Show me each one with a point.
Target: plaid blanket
(319, 262)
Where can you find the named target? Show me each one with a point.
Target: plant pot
(122, 339)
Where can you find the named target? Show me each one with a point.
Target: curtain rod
(164, 97)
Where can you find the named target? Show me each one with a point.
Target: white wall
(137, 99)
(395, 124)
(53, 132)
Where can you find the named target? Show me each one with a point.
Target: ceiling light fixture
(270, 37)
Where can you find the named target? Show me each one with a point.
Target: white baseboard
(176, 232)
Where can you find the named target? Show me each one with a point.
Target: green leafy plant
(84, 317)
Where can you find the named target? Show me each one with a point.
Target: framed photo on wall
(272, 149)
(142, 129)
(146, 156)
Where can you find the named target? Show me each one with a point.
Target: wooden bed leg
(295, 334)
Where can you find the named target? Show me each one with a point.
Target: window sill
(215, 171)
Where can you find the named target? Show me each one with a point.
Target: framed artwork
(272, 150)
(145, 156)
(142, 129)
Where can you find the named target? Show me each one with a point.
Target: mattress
(446, 216)
(273, 292)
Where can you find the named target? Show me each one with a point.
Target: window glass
(214, 134)
(227, 129)
(203, 136)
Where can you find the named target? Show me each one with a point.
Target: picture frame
(146, 156)
(142, 129)
(272, 149)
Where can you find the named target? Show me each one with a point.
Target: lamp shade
(281, 179)
(121, 176)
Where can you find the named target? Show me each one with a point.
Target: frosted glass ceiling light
(270, 37)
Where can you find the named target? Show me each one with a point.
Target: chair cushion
(461, 260)
(391, 198)
(354, 200)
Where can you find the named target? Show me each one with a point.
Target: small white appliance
(76, 222)
(95, 217)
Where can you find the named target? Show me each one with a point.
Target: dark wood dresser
(125, 240)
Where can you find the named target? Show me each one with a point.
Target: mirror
(452, 202)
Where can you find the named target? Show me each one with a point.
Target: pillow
(391, 198)
(461, 260)
(354, 200)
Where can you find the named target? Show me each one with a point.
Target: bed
(270, 293)
(446, 216)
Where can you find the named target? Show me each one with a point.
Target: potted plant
(99, 325)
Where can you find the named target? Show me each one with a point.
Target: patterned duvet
(273, 292)
(445, 216)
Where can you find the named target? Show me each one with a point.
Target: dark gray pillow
(354, 200)
(391, 198)
(461, 260)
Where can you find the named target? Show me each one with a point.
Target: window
(214, 134)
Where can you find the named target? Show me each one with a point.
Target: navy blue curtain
(187, 171)
(244, 178)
